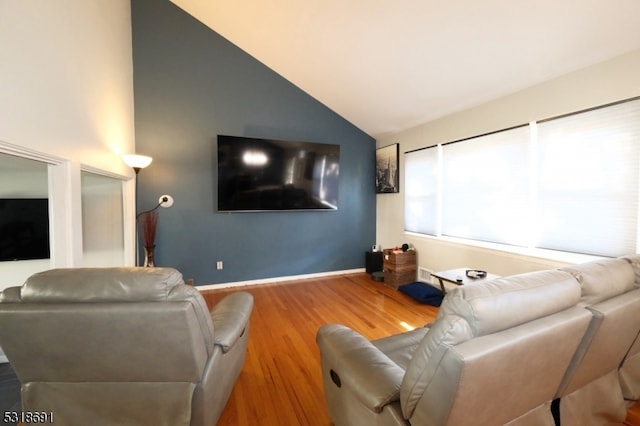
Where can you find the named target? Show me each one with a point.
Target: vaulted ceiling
(389, 65)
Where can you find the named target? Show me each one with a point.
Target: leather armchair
(128, 346)
(495, 355)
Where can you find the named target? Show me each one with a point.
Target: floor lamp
(149, 222)
(137, 163)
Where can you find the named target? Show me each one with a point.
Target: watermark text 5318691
(28, 417)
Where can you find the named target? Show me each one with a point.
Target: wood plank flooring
(281, 381)
(633, 416)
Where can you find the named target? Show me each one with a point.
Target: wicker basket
(399, 267)
(398, 257)
(397, 278)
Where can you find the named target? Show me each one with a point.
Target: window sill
(532, 253)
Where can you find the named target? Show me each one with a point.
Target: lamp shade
(137, 162)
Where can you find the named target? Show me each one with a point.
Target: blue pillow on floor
(423, 293)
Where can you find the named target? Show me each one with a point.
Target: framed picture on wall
(387, 169)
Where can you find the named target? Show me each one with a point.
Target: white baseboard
(277, 279)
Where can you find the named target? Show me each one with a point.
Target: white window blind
(422, 207)
(588, 181)
(571, 184)
(485, 188)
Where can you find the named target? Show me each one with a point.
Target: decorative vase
(149, 261)
(149, 222)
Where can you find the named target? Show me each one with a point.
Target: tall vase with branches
(149, 221)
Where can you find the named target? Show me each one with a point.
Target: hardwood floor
(633, 416)
(281, 381)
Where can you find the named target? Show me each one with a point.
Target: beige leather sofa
(591, 392)
(498, 353)
(125, 346)
(629, 373)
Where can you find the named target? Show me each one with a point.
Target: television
(273, 175)
(24, 229)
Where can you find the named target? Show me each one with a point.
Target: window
(568, 184)
(482, 188)
(588, 181)
(422, 204)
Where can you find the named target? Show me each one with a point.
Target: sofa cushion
(634, 260)
(118, 285)
(423, 293)
(507, 302)
(10, 295)
(475, 310)
(400, 347)
(602, 279)
(82, 285)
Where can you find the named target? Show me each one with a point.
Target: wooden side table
(399, 267)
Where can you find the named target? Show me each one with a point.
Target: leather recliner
(629, 372)
(629, 375)
(127, 346)
(591, 391)
(495, 355)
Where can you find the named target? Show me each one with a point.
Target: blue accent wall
(190, 85)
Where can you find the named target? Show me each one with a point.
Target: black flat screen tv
(271, 175)
(24, 228)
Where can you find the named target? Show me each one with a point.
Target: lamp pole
(137, 163)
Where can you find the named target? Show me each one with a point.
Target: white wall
(66, 84)
(610, 81)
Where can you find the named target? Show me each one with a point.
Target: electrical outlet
(219, 265)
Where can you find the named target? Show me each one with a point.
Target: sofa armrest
(357, 365)
(230, 318)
